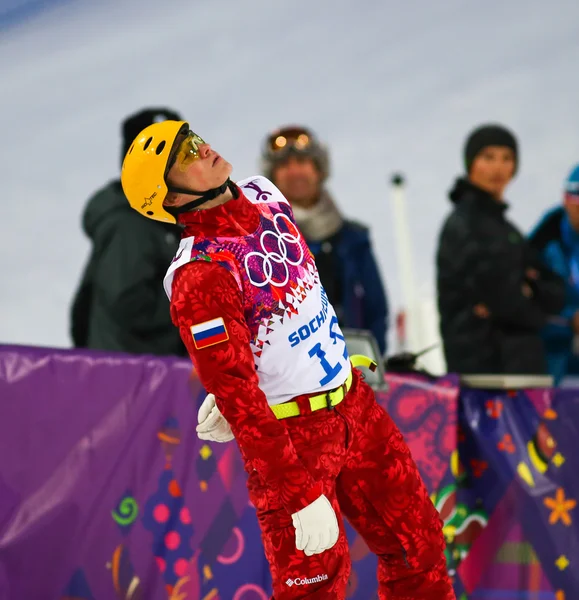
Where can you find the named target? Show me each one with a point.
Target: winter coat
(350, 276)
(120, 304)
(483, 260)
(558, 244)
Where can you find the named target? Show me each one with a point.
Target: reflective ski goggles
(289, 137)
(186, 152)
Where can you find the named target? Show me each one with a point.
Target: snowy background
(389, 85)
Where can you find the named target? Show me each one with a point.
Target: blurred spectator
(120, 304)
(556, 237)
(494, 294)
(298, 164)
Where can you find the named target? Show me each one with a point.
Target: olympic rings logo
(270, 258)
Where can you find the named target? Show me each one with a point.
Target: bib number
(331, 371)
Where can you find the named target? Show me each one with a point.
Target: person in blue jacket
(298, 164)
(556, 237)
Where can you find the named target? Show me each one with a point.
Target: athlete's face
(196, 166)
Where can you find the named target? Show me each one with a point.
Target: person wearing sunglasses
(119, 304)
(298, 164)
(556, 237)
(267, 347)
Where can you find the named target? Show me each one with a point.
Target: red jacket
(203, 291)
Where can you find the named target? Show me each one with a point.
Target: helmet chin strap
(205, 196)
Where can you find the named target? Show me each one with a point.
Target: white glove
(212, 424)
(316, 527)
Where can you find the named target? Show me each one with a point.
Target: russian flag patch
(209, 333)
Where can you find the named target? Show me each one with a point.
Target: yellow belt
(327, 399)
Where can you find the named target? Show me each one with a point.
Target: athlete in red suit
(305, 472)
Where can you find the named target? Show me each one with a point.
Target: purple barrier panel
(105, 490)
(528, 442)
(515, 570)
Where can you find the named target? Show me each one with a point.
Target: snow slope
(389, 85)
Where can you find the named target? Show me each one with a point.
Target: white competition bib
(297, 344)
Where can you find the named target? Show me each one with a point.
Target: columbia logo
(306, 581)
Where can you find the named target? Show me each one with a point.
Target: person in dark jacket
(120, 304)
(556, 238)
(298, 164)
(494, 294)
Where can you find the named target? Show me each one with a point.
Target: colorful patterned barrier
(106, 492)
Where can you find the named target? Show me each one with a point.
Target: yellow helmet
(144, 169)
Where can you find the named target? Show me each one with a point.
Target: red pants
(369, 476)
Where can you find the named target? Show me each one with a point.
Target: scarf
(320, 221)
